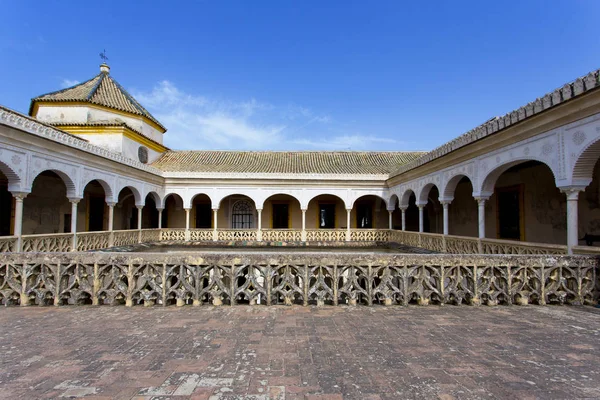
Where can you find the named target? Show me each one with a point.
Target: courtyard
(318, 353)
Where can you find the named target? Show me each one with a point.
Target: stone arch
(406, 197)
(423, 197)
(584, 164)
(305, 205)
(262, 204)
(108, 192)
(191, 201)
(488, 181)
(14, 180)
(393, 202)
(370, 194)
(447, 191)
(67, 180)
(164, 198)
(139, 201)
(219, 200)
(155, 196)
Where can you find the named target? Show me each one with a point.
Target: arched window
(242, 215)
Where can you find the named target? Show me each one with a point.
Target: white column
(215, 233)
(139, 227)
(160, 210)
(111, 215)
(259, 230)
(18, 231)
(572, 216)
(403, 209)
(303, 234)
(139, 221)
(74, 203)
(348, 234)
(446, 204)
(187, 224)
(481, 213)
(390, 221)
(421, 207)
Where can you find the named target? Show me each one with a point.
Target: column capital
(403, 208)
(111, 203)
(421, 204)
(187, 209)
(303, 210)
(215, 209)
(445, 200)
(348, 209)
(572, 192)
(74, 200)
(390, 211)
(19, 195)
(139, 207)
(259, 209)
(160, 208)
(481, 199)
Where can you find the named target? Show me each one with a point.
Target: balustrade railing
(230, 235)
(281, 235)
(92, 240)
(8, 244)
(60, 242)
(47, 242)
(325, 235)
(204, 235)
(300, 278)
(125, 238)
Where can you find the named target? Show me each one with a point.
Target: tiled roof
(104, 123)
(101, 90)
(284, 162)
(567, 92)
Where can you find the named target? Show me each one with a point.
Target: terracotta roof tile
(101, 90)
(284, 162)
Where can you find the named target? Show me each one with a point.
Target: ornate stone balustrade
(48, 242)
(125, 238)
(8, 244)
(325, 235)
(173, 235)
(281, 235)
(369, 235)
(61, 242)
(288, 278)
(204, 235)
(92, 241)
(231, 235)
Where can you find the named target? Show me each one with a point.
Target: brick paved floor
(300, 353)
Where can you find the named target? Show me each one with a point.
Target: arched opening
(93, 206)
(589, 211)
(326, 211)
(411, 215)
(242, 215)
(281, 211)
(125, 214)
(433, 213)
(150, 212)
(46, 209)
(462, 212)
(174, 214)
(369, 212)
(6, 208)
(526, 205)
(202, 215)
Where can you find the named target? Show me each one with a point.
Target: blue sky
(304, 75)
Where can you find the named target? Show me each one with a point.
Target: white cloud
(68, 83)
(197, 122)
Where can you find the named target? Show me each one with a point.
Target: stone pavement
(300, 352)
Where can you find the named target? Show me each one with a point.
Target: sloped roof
(101, 90)
(284, 162)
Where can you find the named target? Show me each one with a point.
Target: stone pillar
(187, 224)
(160, 210)
(390, 220)
(139, 226)
(445, 205)
(403, 209)
(421, 222)
(572, 216)
(259, 230)
(348, 233)
(303, 234)
(215, 233)
(74, 203)
(111, 217)
(481, 215)
(18, 231)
